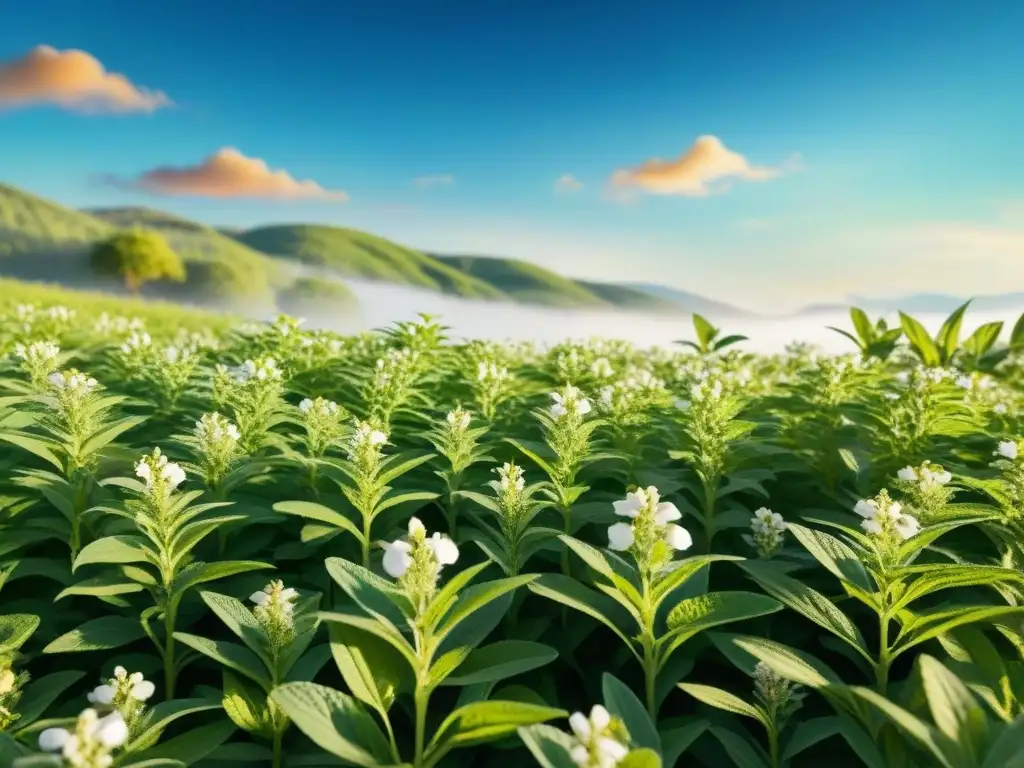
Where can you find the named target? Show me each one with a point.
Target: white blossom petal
(620, 537)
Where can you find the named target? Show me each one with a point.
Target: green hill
(525, 282)
(196, 242)
(351, 253)
(29, 224)
(624, 297)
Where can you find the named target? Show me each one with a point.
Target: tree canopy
(139, 256)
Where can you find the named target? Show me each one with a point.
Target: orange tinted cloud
(695, 173)
(229, 173)
(73, 80)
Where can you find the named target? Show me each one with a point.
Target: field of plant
(262, 545)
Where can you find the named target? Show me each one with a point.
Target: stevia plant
(153, 553)
(640, 601)
(364, 479)
(278, 634)
(411, 637)
(459, 444)
(74, 432)
(568, 442)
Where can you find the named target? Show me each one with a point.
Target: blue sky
(904, 116)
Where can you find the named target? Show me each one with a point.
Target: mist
(382, 304)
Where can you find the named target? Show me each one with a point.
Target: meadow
(230, 543)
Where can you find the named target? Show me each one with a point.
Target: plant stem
(773, 746)
(650, 657)
(710, 491)
(278, 738)
(169, 669)
(422, 698)
(882, 668)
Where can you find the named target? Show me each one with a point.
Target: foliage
(264, 545)
(138, 256)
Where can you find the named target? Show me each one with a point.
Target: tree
(138, 256)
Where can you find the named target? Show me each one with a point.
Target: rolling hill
(351, 253)
(40, 239)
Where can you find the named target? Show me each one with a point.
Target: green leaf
(720, 699)
(158, 717)
(100, 634)
(862, 325)
(920, 341)
(115, 550)
(675, 740)
(549, 746)
(193, 746)
(807, 602)
(788, 662)
(404, 498)
(834, 555)
(312, 511)
(501, 660)
(334, 722)
(1007, 751)
(948, 338)
(927, 626)
(34, 446)
(485, 721)
(373, 670)
(241, 621)
(101, 586)
(808, 733)
(946, 752)
(203, 573)
(374, 627)
(624, 704)
(232, 656)
(696, 614)
(954, 710)
(569, 592)
(42, 692)
(246, 708)
(102, 439)
(476, 597)
(16, 629)
(641, 758)
(739, 749)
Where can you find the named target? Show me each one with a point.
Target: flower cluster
(125, 694)
(38, 359)
(91, 743)
(769, 529)
(263, 369)
(925, 489)
(652, 536)
(779, 696)
(569, 401)
(364, 446)
(416, 561)
(216, 441)
(459, 420)
(323, 421)
(107, 325)
(885, 518)
(1009, 461)
(160, 476)
(72, 382)
(598, 740)
(275, 610)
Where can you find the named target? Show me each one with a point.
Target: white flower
(595, 747)
(666, 512)
(678, 537)
(416, 527)
(445, 550)
(999, 408)
(965, 382)
(620, 537)
(143, 470)
(142, 690)
(102, 694)
(511, 475)
(584, 727)
(396, 558)
(632, 504)
(907, 526)
(173, 474)
(767, 522)
(1008, 449)
(53, 739)
(111, 731)
(866, 508)
(459, 419)
(305, 405)
(907, 475)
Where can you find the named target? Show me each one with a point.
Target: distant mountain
(689, 302)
